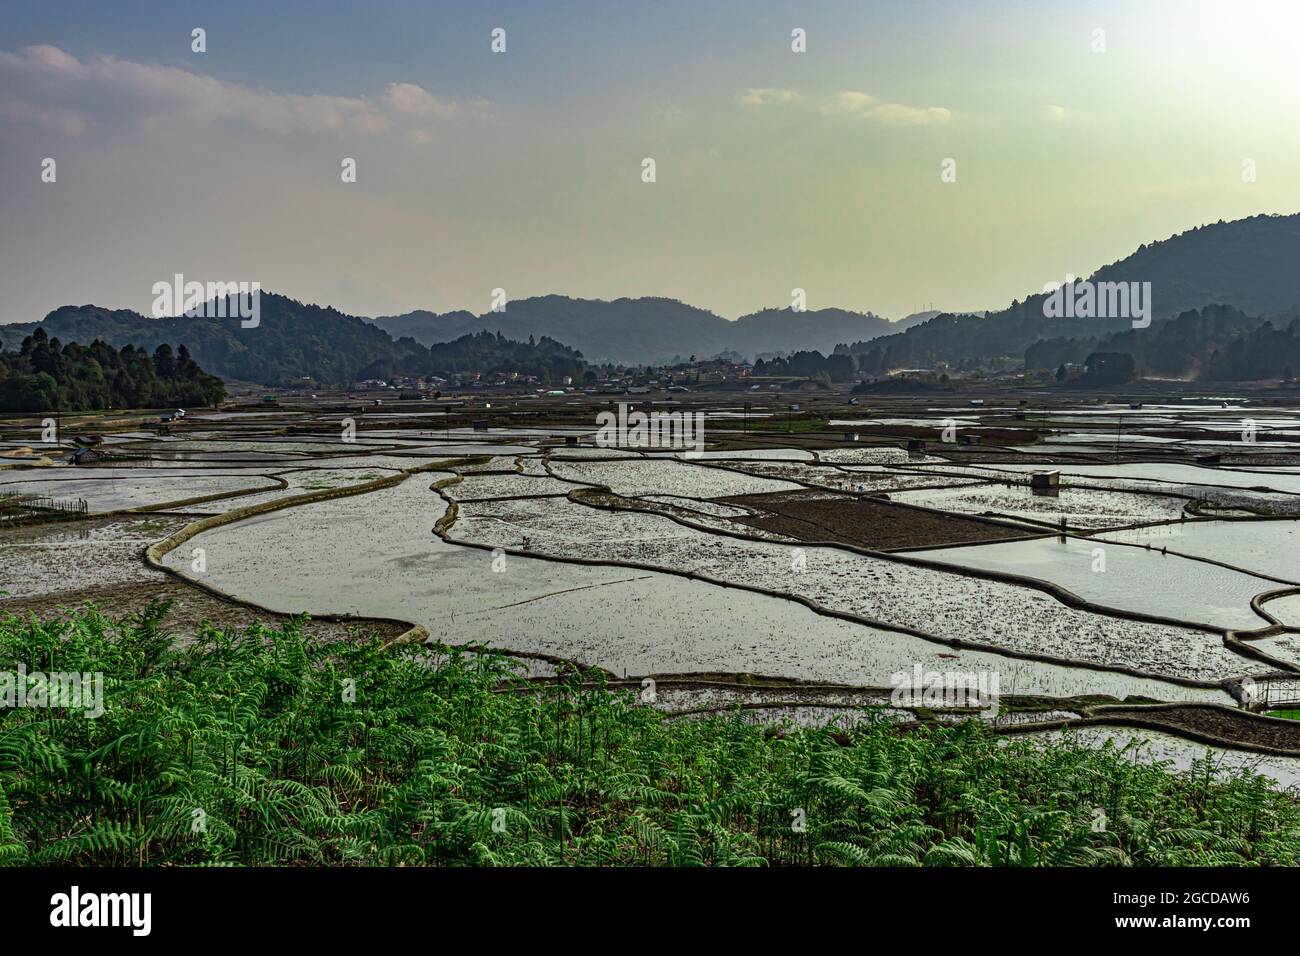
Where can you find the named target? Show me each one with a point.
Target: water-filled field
(119, 494)
(946, 604)
(1172, 473)
(1123, 578)
(749, 569)
(1154, 747)
(657, 476)
(1264, 547)
(1078, 507)
(1286, 609)
(326, 557)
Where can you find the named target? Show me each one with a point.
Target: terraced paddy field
(106, 494)
(1131, 579)
(864, 522)
(791, 576)
(1285, 609)
(1173, 473)
(1162, 749)
(1084, 508)
(1270, 548)
(951, 606)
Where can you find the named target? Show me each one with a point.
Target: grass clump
(269, 748)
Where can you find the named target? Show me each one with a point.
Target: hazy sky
(523, 169)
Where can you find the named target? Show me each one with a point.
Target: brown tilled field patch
(877, 525)
(1215, 724)
(191, 608)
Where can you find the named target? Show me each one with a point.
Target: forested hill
(1218, 342)
(292, 341)
(646, 330)
(43, 374)
(1249, 264)
(632, 330)
(489, 353)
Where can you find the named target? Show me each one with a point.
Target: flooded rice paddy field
(628, 621)
(1154, 747)
(1229, 498)
(61, 560)
(876, 455)
(402, 462)
(684, 568)
(580, 452)
(746, 454)
(1128, 579)
(275, 446)
(1174, 474)
(1281, 647)
(1268, 548)
(297, 482)
(121, 494)
(490, 464)
(476, 487)
(952, 606)
(683, 510)
(860, 479)
(1087, 508)
(715, 509)
(1285, 609)
(806, 715)
(658, 476)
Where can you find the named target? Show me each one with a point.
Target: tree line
(45, 375)
(491, 353)
(814, 365)
(295, 343)
(1215, 343)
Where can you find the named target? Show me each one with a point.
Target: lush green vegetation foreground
(259, 749)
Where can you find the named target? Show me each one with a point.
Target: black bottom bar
(339, 905)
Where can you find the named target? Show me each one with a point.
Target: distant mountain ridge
(1248, 263)
(648, 330)
(296, 341)
(292, 341)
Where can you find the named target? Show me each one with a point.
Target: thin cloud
(864, 105)
(416, 101)
(68, 122)
(53, 89)
(766, 96)
(849, 101)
